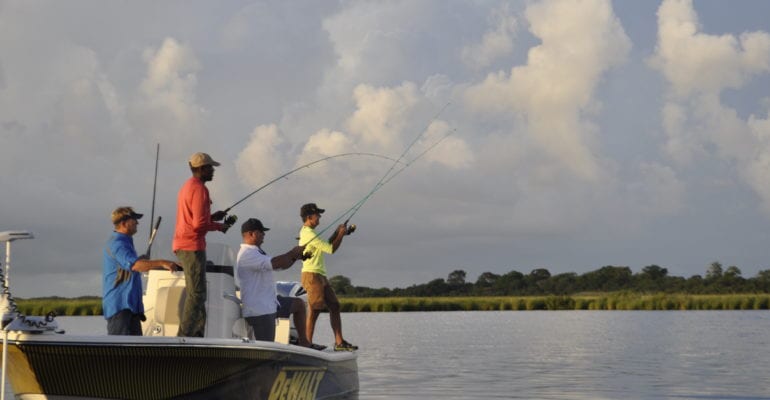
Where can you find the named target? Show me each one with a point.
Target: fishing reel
(229, 222)
(351, 229)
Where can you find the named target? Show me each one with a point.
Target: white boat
(43, 362)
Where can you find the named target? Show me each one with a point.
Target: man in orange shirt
(193, 221)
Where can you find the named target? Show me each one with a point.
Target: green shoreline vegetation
(609, 301)
(607, 288)
(612, 301)
(80, 306)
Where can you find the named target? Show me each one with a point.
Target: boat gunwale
(47, 339)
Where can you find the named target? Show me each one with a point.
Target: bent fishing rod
(403, 154)
(306, 166)
(406, 150)
(354, 209)
(379, 185)
(382, 180)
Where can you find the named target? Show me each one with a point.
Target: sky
(566, 135)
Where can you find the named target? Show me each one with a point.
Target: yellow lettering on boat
(297, 383)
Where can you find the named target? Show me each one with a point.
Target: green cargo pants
(193, 321)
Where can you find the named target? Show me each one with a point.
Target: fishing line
(306, 166)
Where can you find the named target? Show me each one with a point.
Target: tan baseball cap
(201, 159)
(123, 213)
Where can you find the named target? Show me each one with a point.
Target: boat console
(164, 300)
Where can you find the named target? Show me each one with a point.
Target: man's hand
(170, 265)
(342, 229)
(229, 221)
(296, 252)
(336, 238)
(218, 216)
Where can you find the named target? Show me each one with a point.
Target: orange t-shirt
(193, 217)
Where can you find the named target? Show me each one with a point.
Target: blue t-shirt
(119, 253)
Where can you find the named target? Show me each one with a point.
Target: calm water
(551, 354)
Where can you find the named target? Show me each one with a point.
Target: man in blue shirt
(122, 282)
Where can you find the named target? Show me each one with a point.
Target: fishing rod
(122, 274)
(154, 186)
(306, 166)
(153, 229)
(377, 187)
(381, 182)
(406, 150)
(352, 210)
(152, 237)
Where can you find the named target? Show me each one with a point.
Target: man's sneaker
(345, 346)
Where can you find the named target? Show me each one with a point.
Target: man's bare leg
(312, 317)
(299, 316)
(336, 321)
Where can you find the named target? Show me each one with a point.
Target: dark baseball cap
(253, 224)
(310, 209)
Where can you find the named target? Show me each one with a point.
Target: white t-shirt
(255, 273)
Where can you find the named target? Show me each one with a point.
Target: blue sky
(580, 133)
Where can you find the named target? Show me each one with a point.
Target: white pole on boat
(7, 260)
(5, 328)
(5, 359)
(5, 331)
(8, 237)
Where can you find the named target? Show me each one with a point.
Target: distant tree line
(651, 279)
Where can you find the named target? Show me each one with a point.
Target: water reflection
(562, 355)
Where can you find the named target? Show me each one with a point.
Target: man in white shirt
(261, 304)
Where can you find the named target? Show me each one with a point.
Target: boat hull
(72, 367)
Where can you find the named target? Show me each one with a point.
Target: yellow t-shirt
(317, 247)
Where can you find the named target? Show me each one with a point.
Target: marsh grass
(82, 306)
(610, 301)
(85, 306)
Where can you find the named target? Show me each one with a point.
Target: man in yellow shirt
(320, 294)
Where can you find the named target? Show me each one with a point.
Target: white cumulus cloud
(496, 42)
(260, 160)
(699, 67)
(554, 92)
(694, 61)
(166, 105)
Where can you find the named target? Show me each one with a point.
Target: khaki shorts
(319, 292)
